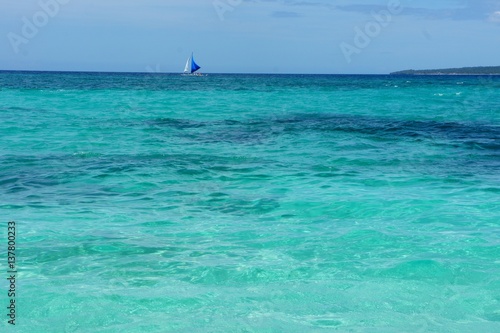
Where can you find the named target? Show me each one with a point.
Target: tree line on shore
(488, 70)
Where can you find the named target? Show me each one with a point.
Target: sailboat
(191, 67)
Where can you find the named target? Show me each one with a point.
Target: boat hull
(193, 74)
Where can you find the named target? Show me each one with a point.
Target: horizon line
(243, 73)
(161, 73)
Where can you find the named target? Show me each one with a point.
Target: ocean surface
(251, 203)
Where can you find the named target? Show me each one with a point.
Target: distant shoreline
(490, 70)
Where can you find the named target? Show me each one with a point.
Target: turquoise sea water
(251, 203)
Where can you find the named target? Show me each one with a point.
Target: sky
(249, 36)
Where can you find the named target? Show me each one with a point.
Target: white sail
(187, 69)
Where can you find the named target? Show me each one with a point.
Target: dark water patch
(495, 190)
(8, 181)
(251, 132)
(6, 207)
(483, 135)
(175, 123)
(99, 177)
(191, 172)
(157, 224)
(176, 193)
(238, 206)
(69, 165)
(230, 122)
(15, 181)
(242, 136)
(21, 110)
(16, 189)
(474, 136)
(234, 169)
(218, 195)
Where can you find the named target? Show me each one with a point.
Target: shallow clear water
(252, 203)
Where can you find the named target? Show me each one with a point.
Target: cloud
(444, 9)
(495, 17)
(297, 3)
(452, 9)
